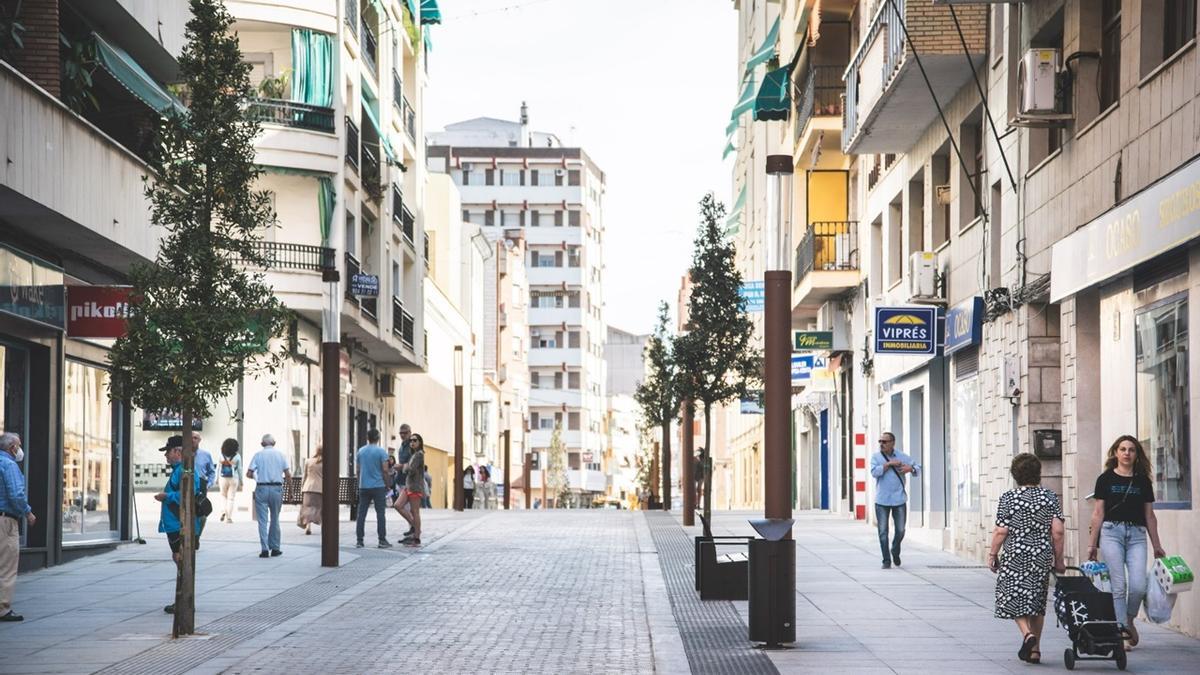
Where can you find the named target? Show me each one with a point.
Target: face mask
(20, 455)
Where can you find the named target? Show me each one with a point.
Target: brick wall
(931, 27)
(39, 60)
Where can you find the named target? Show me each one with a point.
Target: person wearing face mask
(14, 506)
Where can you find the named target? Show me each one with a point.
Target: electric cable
(982, 97)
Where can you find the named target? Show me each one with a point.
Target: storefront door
(91, 459)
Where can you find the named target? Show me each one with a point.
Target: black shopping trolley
(1088, 615)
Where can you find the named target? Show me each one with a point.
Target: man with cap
(169, 521)
(269, 468)
(14, 507)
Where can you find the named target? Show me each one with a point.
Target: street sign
(905, 330)
(754, 294)
(810, 340)
(964, 325)
(364, 285)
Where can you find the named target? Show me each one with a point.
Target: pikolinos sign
(97, 311)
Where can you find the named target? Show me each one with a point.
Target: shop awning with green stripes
(430, 12)
(134, 78)
(774, 98)
(766, 50)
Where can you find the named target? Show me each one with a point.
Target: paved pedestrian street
(523, 592)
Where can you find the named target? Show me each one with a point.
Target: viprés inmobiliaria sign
(905, 330)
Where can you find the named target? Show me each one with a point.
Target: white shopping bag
(1159, 603)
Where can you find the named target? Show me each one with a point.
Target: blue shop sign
(754, 294)
(906, 330)
(964, 325)
(364, 285)
(32, 289)
(802, 367)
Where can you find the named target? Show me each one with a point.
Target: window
(558, 177)
(466, 177)
(533, 177)
(573, 421)
(489, 177)
(573, 462)
(535, 379)
(558, 380)
(575, 218)
(895, 247)
(1161, 347)
(573, 257)
(510, 218)
(573, 299)
(997, 29)
(573, 339)
(573, 379)
(1110, 53)
(1167, 26)
(489, 218)
(90, 486)
(558, 218)
(535, 218)
(573, 177)
(510, 177)
(940, 167)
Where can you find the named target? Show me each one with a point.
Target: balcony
(398, 92)
(352, 143)
(370, 47)
(888, 105)
(555, 276)
(827, 264)
(402, 323)
(555, 357)
(555, 316)
(410, 119)
(284, 256)
(292, 114)
(403, 217)
(372, 171)
(352, 16)
(352, 268)
(817, 94)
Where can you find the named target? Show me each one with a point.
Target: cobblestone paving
(542, 592)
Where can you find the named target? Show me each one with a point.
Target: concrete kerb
(253, 645)
(665, 640)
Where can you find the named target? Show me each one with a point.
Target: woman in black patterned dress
(1029, 526)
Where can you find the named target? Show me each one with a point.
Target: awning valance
(430, 12)
(134, 78)
(766, 50)
(774, 98)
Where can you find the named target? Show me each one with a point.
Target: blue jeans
(268, 499)
(899, 516)
(1123, 547)
(367, 496)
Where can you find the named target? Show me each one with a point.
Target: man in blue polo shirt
(889, 466)
(14, 507)
(269, 468)
(373, 475)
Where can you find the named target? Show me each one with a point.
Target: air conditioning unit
(560, 172)
(922, 276)
(385, 386)
(1037, 80)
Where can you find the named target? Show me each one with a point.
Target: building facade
(1036, 194)
(511, 177)
(623, 361)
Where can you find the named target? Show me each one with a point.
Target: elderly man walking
(14, 507)
(268, 469)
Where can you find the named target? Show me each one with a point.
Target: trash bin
(773, 583)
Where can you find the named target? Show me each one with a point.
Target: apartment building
(512, 177)
(73, 220)
(623, 361)
(1052, 229)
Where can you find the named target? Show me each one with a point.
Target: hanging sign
(364, 285)
(754, 294)
(802, 365)
(964, 325)
(97, 311)
(905, 330)
(812, 340)
(31, 290)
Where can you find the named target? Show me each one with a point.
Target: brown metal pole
(687, 459)
(654, 469)
(331, 357)
(507, 466)
(777, 460)
(528, 477)
(459, 496)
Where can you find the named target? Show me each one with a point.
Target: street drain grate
(714, 635)
(956, 567)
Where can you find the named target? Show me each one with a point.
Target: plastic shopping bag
(1159, 603)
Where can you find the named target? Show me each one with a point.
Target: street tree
(201, 316)
(658, 394)
(556, 468)
(716, 360)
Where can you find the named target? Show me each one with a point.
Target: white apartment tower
(511, 177)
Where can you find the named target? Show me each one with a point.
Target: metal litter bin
(773, 583)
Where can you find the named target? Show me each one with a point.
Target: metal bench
(725, 576)
(347, 492)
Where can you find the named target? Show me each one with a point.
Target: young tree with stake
(658, 394)
(198, 319)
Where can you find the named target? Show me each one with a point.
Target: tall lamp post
(777, 324)
(331, 361)
(507, 457)
(458, 429)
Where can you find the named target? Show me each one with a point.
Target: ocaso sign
(97, 311)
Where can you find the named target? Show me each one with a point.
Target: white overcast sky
(644, 86)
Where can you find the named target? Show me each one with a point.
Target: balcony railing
(828, 246)
(285, 256)
(292, 114)
(817, 93)
(352, 268)
(352, 16)
(352, 144)
(370, 48)
(425, 242)
(397, 92)
(410, 119)
(403, 324)
(370, 307)
(402, 216)
(887, 20)
(371, 173)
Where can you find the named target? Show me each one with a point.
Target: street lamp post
(777, 324)
(507, 457)
(458, 429)
(331, 360)
(687, 453)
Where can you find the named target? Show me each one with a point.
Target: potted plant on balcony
(277, 88)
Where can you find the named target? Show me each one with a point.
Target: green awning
(430, 12)
(766, 50)
(728, 149)
(774, 98)
(130, 75)
(373, 118)
(745, 101)
(412, 8)
(732, 127)
(734, 221)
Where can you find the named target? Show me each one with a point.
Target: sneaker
(887, 564)
(896, 560)
(358, 544)
(409, 532)
(276, 553)
(222, 517)
(169, 609)
(12, 616)
(264, 554)
(383, 543)
(412, 543)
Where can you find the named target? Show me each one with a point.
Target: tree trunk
(706, 467)
(185, 580)
(666, 466)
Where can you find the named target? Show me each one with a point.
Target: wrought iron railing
(817, 92)
(425, 242)
(370, 48)
(352, 16)
(285, 256)
(397, 92)
(370, 307)
(887, 19)
(371, 171)
(292, 114)
(352, 268)
(828, 246)
(352, 143)
(410, 119)
(408, 225)
(403, 324)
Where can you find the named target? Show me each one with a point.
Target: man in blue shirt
(14, 507)
(206, 469)
(889, 466)
(373, 471)
(169, 521)
(268, 469)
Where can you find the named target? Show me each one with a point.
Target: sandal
(1133, 635)
(1035, 656)
(1027, 647)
